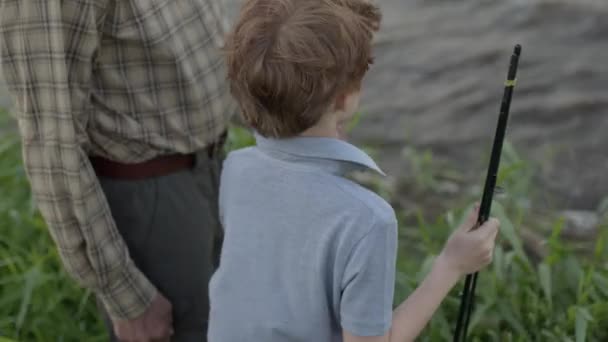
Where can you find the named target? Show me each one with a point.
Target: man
(122, 106)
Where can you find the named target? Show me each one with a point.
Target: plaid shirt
(124, 79)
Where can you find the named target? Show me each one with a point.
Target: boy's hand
(469, 250)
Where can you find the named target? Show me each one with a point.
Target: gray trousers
(171, 227)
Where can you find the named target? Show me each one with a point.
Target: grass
(38, 302)
(563, 297)
(560, 297)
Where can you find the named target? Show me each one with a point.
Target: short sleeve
(368, 284)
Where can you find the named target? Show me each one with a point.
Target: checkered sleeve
(48, 48)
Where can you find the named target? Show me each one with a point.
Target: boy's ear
(340, 102)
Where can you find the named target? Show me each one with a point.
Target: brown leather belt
(157, 167)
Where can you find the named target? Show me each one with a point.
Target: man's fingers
(161, 333)
(125, 333)
(164, 339)
(142, 337)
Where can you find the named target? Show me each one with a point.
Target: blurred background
(429, 111)
(438, 77)
(438, 80)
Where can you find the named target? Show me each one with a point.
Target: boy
(309, 255)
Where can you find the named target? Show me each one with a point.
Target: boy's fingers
(471, 220)
(486, 231)
(494, 223)
(489, 229)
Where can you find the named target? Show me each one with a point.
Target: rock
(580, 224)
(447, 187)
(534, 244)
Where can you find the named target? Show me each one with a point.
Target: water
(438, 81)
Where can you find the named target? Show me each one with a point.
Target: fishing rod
(468, 295)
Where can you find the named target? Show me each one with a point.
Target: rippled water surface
(437, 83)
(439, 74)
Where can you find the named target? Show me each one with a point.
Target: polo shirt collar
(333, 150)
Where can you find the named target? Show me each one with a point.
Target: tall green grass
(38, 302)
(563, 297)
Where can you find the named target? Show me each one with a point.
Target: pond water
(438, 81)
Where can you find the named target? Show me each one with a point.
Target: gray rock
(448, 187)
(580, 224)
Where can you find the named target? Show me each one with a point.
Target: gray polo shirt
(307, 252)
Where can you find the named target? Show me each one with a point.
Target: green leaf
(239, 137)
(582, 318)
(354, 122)
(513, 320)
(4, 339)
(31, 279)
(498, 263)
(508, 231)
(544, 274)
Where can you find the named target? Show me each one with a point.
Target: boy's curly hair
(288, 60)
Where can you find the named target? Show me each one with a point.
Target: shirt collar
(345, 155)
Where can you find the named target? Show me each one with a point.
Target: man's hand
(155, 325)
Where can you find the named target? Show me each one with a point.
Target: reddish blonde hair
(288, 60)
